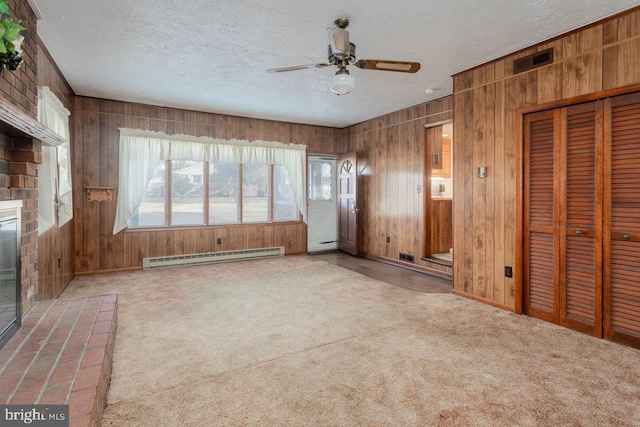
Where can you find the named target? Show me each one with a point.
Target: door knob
(354, 210)
(578, 232)
(626, 236)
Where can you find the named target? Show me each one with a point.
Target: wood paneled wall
(96, 123)
(487, 129)
(391, 160)
(56, 243)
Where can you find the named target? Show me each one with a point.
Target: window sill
(200, 227)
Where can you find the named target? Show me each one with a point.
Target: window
(213, 188)
(224, 194)
(187, 193)
(255, 193)
(55, 169)
(150, 213)
(203, 193)
(284, 199)
(320, 181)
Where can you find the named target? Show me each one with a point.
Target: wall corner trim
(35, 9)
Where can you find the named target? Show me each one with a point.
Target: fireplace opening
(10, 287)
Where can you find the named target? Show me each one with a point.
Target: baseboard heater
(211, 257)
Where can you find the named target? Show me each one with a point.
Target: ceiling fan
(343, 53)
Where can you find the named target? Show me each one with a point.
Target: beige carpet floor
(298, 341)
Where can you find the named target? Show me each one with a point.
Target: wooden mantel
(15, 123)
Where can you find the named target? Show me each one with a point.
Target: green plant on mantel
(11, 46)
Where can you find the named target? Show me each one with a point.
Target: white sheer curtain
(141, 151)
(52, 114)
(46, 190)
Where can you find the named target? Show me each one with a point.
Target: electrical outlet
(388, 239)
(508, 271)
(219, 240)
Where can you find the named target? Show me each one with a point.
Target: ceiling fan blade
(296, 67)
(378, 64)
(338, 40)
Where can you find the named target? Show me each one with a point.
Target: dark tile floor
(398, 276)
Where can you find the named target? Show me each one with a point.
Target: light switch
(482, 172)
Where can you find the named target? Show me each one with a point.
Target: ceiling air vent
(533, 61)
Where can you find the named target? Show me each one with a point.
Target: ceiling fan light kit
(342, 83)
(343, 53)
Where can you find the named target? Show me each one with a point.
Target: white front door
(322, 230)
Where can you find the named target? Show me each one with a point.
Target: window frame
(206, 202)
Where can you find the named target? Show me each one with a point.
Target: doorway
(439, 192)
(322, 230)
(347, 202)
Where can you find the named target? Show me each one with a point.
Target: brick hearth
(62, 355)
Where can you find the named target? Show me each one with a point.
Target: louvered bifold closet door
(622, 226)
(580, 225)
(539, 240)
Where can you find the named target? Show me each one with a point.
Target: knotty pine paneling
(56, 243)
(391, 160)
(96, 123)
(488, 212)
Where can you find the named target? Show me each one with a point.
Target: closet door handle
(578, 232)
(626, 236)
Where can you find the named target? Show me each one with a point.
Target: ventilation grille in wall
(533, 61)
(405, 257)
(211, 257)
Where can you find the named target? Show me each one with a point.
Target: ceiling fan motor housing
(350, 57)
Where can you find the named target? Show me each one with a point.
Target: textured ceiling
(212, 55)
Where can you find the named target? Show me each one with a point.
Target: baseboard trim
(121, 270)
(114, 270)
(409, 266)
(482, 300)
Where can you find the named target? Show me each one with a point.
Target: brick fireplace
(21, 139)
(19, 157)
